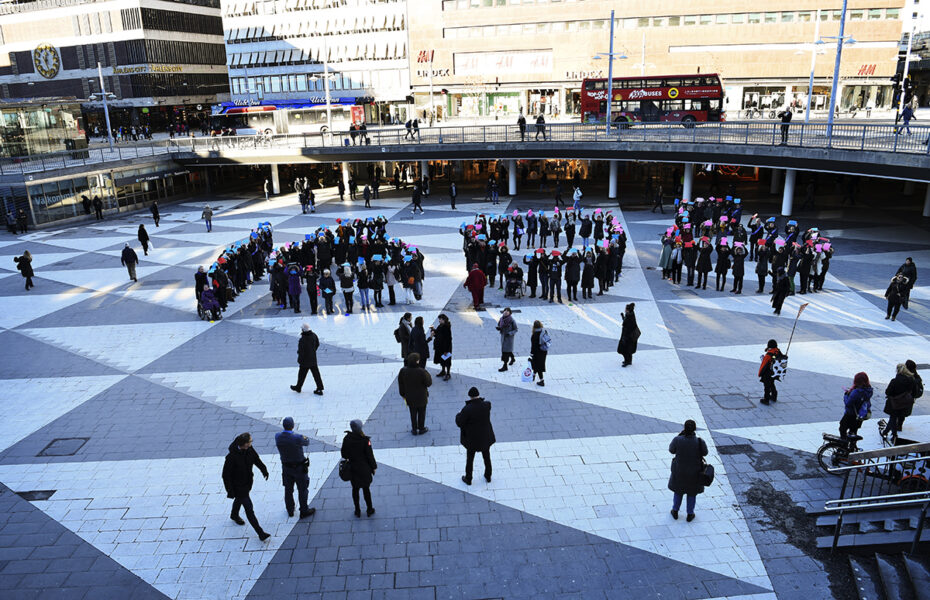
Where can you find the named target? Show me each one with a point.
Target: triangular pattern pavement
(115, 308)
(14, 346)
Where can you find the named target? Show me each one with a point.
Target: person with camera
(294, 468)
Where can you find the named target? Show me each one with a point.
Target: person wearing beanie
(294, 467)
(686, 478)
(767, 372)
(477, 434)
(356, 447)
(306, 359)
(858, 403)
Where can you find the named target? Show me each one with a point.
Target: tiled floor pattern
(120, 405)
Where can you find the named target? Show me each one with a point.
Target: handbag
(707, 473)
(345, 469)
(900, 401)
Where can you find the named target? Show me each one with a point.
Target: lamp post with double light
(610, 68)
(841, 39)
(104, 96)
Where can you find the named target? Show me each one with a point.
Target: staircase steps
(919, 574)
(890, 577)
(895, 581)
(866, 576)
(878, 538)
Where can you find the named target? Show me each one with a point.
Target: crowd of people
(597, 257)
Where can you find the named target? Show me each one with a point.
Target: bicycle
(836, 450)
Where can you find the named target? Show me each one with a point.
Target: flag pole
(800, 310)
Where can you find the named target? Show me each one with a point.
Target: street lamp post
(106, 108)
(840, 39)
(431, 116)
(810, 85)
(907, 60)
(610, 69)
(329, 114)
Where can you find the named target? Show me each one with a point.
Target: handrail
(918, 533)
(888, 462)
(892, 500)
(891, 451)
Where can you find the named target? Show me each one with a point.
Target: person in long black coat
(306, 359)
(238, 478)
(899, 399)
(442, 345)
(739, 269)
(156, 215)
(418, 341)
(356, 446)
(909, 270)
(686, 478)
(781, 289)
(537, 354)
(703, 263)
(24, 265)
(144, 239)
(477, 434)
(413, 383)
(629, 334)
(895, 294)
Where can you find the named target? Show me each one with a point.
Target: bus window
(715, 104)
(669, 105)
(653, 83)
(649, 112)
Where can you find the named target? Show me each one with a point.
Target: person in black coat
(442, 346)
(539, 349)
(686, 478)
(899, 397)
(24, 266)
(418, 341)
(703, 263)
(895, 294)
(237, 478)
(739, 269)
(909, 270)
(306, 358)
(356, 447)
(477, 434)
(781, 289)
(155, 214)
(130, 259)
(629, 334)
(143, 236)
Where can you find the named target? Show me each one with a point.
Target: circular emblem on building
(46, 60)
(673, 93)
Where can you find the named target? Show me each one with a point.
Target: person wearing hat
(306, 359)
(477, 433)
(294, 467)
(767, 372)
(762, 264)
(413, 383)
(507, 327)
(207, 216)
(686, 476)
(739, 270)
(130, 259)
(629, 335)
(532, 272)
(238, 478)
(356, 448)
(310, 279)
(689, 256)
(703, 262)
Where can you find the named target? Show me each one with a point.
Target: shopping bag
(527, 374)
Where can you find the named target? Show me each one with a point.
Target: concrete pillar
(275, 180)
(511, 177)
(346, 174)
(689, 182)
(909, 188)
(612, 183)
(927, 202)
(787, 197)
(424, 168)
(776, 180)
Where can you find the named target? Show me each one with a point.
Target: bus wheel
(324, 129)
(268, 132)
(688, 122)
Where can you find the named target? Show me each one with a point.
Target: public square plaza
(119, 405)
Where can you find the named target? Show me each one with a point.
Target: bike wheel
(829, 456)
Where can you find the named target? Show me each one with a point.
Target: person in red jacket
(767, 371)
(475, 283)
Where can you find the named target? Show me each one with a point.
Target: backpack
(345, 469)
(865, 409)
(545, 342)
(397, 334)
(919, 388)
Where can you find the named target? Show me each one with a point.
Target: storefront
(41, 126)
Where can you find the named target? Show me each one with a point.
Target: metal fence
(856, 137)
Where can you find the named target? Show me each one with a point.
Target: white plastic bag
(527, 374)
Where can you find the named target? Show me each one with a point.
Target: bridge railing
(858, 137)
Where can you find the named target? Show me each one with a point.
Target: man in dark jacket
(477, 433)
(294, 467)
(130, 259)
(413, 384)
(306, 359)
(237, 478)
(909, 270)
(156, 215)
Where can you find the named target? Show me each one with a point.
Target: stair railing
(909, 500)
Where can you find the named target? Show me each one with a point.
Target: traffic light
(908, 89)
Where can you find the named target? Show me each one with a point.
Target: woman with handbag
(539, 349)
(899, 400)
(629, 334)
(356, 448)
(508, 328)
(767, 372)
(441, 335)
(687, 478)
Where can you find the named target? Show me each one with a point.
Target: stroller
(515, 287)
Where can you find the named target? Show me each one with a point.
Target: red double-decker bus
(672, 99)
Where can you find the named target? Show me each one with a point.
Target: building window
(805, 16)
(707, 19)
(787, 17)
(674, 21)
(738, 18)
(875, 13)
(892, 13)
(722, 19)
(690, 20)
(771, 17)
(856, 15)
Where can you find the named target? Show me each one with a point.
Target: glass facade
(40, 126)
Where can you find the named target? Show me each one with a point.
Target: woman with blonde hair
(24, 264)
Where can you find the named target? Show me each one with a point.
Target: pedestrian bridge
(864, 149)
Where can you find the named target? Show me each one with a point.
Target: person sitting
(209, 302)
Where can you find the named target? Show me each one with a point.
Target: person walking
(306, 359)
(366, 194)
(686, 478)
(629, 335)
(24, 266)
(909, 271)
(130, 259)
(452, 194)
(857, 402)
(156, 215)
(895, 294)
(143, 236)
(98, 208)
(540, 127)
(294, 468)
(356, 448)
(906, 115)
(539, 349)
(267, 188)
(508, 329)
(899, 398)
(413, 384)
(475, 283)
(785, 117)
(442, 346)
(767, 372)
(207, 216)
(521, 123)
(418, 343)
(477, 433)
(22, 221)
(238, 478)
(402, 334)
(416, 197)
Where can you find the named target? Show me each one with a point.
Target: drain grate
(63, 447)
(35, 495)
(732, 402)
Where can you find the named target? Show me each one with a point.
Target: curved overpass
(872, 150)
